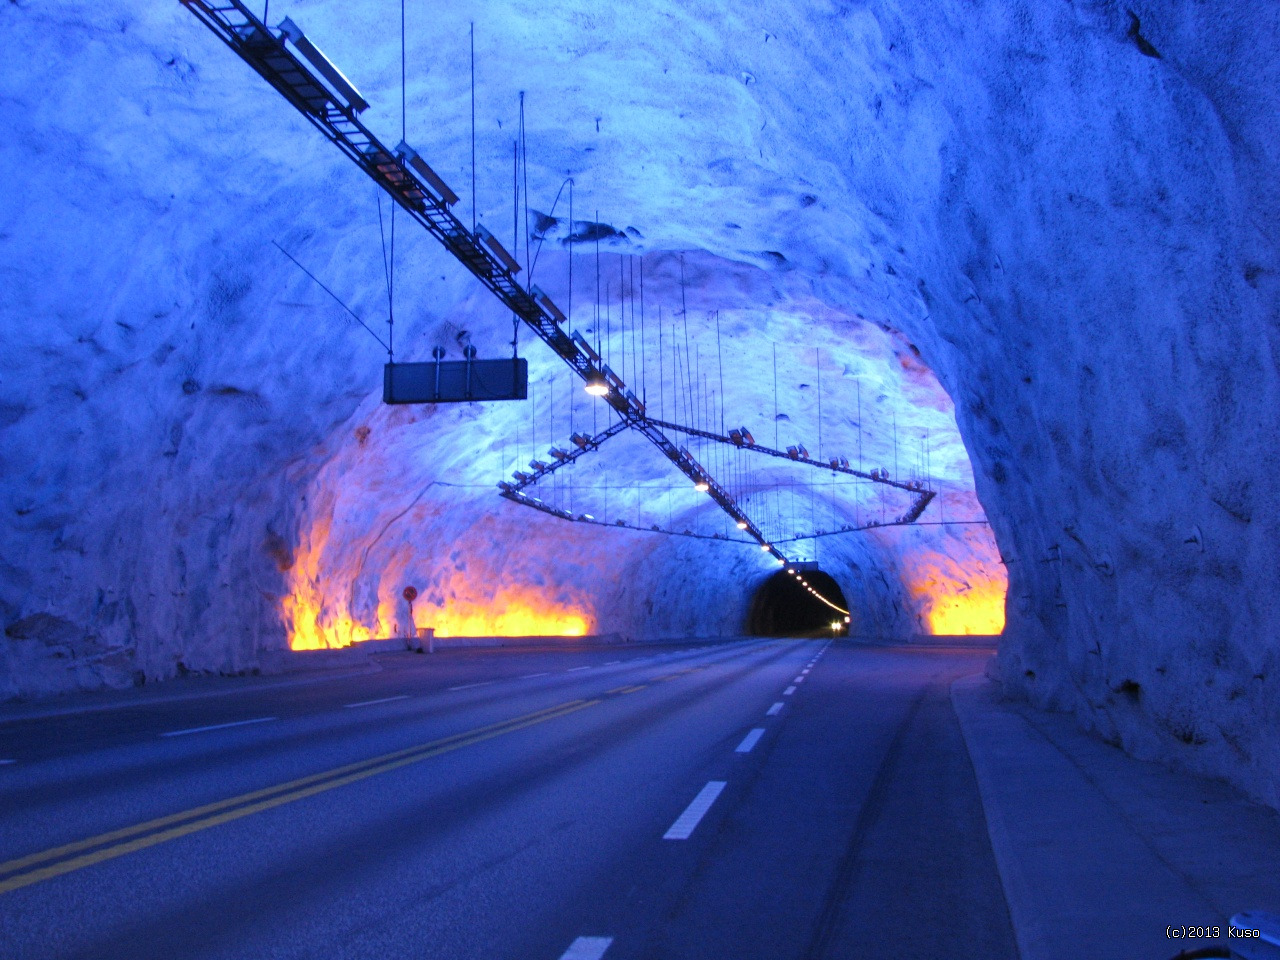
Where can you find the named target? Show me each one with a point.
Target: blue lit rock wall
(1076, 236)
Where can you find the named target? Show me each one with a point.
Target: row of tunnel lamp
(818, 596)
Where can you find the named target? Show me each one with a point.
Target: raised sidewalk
(1102, 855)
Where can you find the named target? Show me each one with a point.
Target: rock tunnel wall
(1067, 209)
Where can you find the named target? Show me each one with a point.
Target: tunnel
(787, 605)
(967, 312)
(853, 286)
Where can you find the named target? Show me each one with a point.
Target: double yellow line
(56, 861)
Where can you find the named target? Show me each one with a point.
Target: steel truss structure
(299, 72)
(516, 490)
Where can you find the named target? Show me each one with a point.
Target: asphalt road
(759, 799)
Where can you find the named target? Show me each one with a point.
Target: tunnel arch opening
(782, 607)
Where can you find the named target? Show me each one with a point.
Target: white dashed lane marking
(750, 740)
(576, 669)
(217, 726)
(7, 762)
(472, 686)
(774, 710)
(530, 676)
(370, 703)
(688, 821)
(587, 948)
(789, 691)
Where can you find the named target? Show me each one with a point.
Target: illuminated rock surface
(1075, 236)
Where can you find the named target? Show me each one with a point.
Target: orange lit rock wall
(470, 591)
(959, 586)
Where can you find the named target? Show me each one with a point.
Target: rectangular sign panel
(455, 381)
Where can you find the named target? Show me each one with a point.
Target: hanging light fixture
(701, 486)
(742, 524)
(597, 386)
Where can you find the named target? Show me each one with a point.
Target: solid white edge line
(688, 821)
(217, 726)
(587, 948)
(750, 740)
(468, 686)
(774, 710)
(789, 691)
(370, 703)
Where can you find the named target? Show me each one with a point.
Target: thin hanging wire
(775, 396)
(569, 248)
(597, 313)
(568, 181)
(403, 88)
(473, 126)
(386, 264)
(622, 318)
(524, 159)
(684, 315)
(317, 282)
(391, 292)
(644, 344)
(515, 234)
(720, 361)
(662, 379)
(631, 298)
(817, 362)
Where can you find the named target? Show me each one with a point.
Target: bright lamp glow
(764, 546)
(742, 524)
(596, 385)
(701, 486)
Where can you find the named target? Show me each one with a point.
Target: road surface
(765, 799)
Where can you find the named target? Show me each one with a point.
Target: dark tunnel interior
(783, 607)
